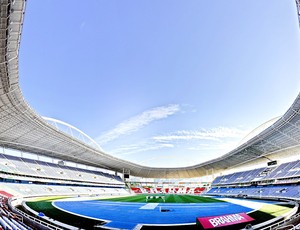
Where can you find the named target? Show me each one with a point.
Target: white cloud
(82, 25)
(223, 138)
(137, 122)
(141, 147)
(215, 134)
(223, 146)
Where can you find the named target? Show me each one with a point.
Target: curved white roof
(73, 132)
(22, 128)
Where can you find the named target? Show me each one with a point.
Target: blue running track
(126, 215)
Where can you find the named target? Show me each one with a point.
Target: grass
(169, 198)
(269, 211)
(45, 206)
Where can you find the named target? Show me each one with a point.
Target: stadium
(54, 176)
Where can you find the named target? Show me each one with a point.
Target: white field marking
(246, 203)
(149, 206)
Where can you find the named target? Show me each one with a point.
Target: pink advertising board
(225, 220)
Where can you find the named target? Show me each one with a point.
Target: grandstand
(278, 181)
(14, 166)
(39, 160)
(285, 171)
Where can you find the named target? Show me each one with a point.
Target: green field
(44, 205)
(270, 211)
(168, 198)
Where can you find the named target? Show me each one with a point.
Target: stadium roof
(22, 128)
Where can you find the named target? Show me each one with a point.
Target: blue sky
(162, 83)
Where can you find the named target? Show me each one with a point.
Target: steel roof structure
(23, 129)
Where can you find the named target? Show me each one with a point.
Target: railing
(38, 221)
(284, 224)
(31, 219)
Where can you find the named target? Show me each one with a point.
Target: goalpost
(156, 197)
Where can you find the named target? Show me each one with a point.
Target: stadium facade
(21, 128)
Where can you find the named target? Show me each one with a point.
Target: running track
(126, 215)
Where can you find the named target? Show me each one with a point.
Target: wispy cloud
(224, 146)
(137, 122)
(140, 147)
(82, 25)
(203, 134)
(221, 139)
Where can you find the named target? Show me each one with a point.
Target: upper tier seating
(285, 170)
(39, 169)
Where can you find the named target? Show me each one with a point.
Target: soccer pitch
(164, 198)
